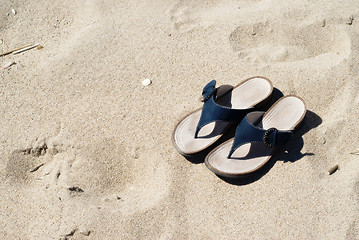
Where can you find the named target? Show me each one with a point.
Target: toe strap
(247, 132)
(212, 111)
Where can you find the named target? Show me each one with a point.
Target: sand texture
(85, 148)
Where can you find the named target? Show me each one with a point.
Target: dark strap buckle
(266, 137)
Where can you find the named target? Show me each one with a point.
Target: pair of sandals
(257, 135)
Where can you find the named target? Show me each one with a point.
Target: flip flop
(223, 106)
(256, 138)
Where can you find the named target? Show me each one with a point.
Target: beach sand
(108, 170)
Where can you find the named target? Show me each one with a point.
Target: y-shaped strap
(212, 111)
(247, 132)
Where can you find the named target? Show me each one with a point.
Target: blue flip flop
(256, 138)
(223, 107)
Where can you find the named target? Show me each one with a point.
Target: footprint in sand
(22, 163)
(188, 15)
(117, 178)
(101, 168)
(182, 18)
(104, 172)
(268, 43)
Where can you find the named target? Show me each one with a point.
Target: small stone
(333, 169)
(146, 82)
(86, 233)
(350, 20)
(75, 189)
(136, 153)
(13, 11)
(324, 22)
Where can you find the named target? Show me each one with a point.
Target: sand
(77, 108)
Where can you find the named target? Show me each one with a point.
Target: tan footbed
(249, 93)
(285, 114)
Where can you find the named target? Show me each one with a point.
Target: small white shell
(13, 11)
(146, 82)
